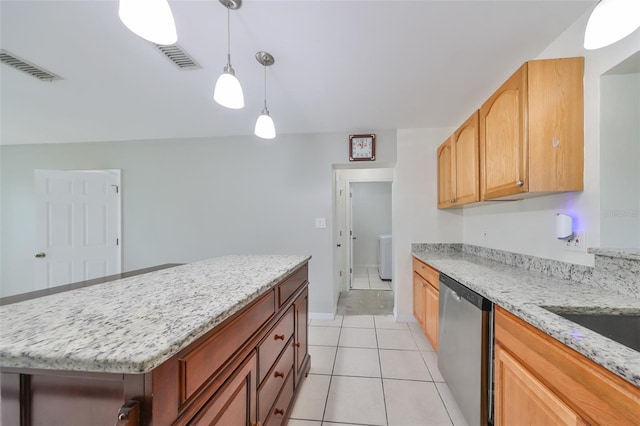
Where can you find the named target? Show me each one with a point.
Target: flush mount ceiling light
(150, 19)
(610, 21)
(228, 91)
(264, 125)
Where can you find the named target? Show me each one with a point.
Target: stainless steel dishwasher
(465, 349)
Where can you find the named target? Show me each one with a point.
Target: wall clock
(362, 147)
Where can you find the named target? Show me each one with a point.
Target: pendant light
(150, 19)
(610, 21)
(264, 125)
(228, 91)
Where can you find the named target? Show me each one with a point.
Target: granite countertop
(524, 292)
(134, 324)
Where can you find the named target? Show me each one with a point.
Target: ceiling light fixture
(150, 19)
(610, 21)
(228, 91)
(264, 125)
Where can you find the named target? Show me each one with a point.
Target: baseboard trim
(321, 316)
(405, 318)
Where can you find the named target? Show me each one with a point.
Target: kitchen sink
(620, 326)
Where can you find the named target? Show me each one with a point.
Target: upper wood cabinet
(458, 168)
(532, 132)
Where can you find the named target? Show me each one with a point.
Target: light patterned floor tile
(322, 359)
(389, 322)
(450, 404)
(408, 365)
(358, 338)
(313, 396)
(358, 321)
(324, 336)
(414, 403)
(432, 363)
(396, 339)
(357, 362)
(347, 404)
(336, 322)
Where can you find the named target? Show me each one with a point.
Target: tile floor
(367, 278)
(370, 370)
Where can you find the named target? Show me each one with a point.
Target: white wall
(371, 210)
(416, 218)
(620, 160)
(185, 200)
(527, 226)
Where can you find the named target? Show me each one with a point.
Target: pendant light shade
(150, 19)
(264, 125)
(228, 91)
(265, 128)
(610, 21)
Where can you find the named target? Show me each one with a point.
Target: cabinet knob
(278, 337)
(453, 200)
(40, 255)
(297, 344)
(519, 183)
(278, 411)
(279, 374)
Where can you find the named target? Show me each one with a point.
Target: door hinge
(117, 241)
(340, 273)
(117, 188)
(350, 271)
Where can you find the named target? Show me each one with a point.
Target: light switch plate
(321, 222)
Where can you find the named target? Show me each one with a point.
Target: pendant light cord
(265, 86)
(228, 36)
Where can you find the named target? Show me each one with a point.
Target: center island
(221, 341)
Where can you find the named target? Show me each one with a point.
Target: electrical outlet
(577, 242)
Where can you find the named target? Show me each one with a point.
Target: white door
(340, 236)
(78, 226)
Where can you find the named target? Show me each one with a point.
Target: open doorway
(362, 213)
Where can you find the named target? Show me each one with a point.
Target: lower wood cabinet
(245, 371)
(540, 381)
(426, 285)
(235, 402)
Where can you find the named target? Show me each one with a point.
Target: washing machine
(384, 257)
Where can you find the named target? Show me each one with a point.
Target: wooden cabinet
(542, 380)
(245, 371)
(458, 166)
(532, 132)
(235, 402)
(426, 284)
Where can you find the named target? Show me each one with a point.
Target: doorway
(78, 226)
(362, 213)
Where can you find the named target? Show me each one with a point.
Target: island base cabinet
(543, 381)
(219, 379)
(235, 402)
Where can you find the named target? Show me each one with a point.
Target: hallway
(370, 370)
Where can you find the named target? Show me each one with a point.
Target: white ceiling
(341, 66)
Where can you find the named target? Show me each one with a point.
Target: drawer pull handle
(278, 411)
(279, 337)
(297, 344)
(279, 374)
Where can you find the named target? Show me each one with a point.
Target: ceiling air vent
(24, 66)
(179, 57)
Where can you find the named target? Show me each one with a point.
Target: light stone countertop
(134, 324)
(524, 292)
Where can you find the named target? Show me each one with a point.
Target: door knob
(40, 255)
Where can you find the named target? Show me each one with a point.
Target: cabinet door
(419, 289)
(503, 140)
(446, 175)
(235, 402)
(302, 327)
(520, 395)
(466, 162)
(431, 321)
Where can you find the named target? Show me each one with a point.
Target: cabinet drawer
(279, 410)
(274, 382)
(427, 272)
(197, 365)
(287, 288)
(273, 343)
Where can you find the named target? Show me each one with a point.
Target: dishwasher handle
(455, 296)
